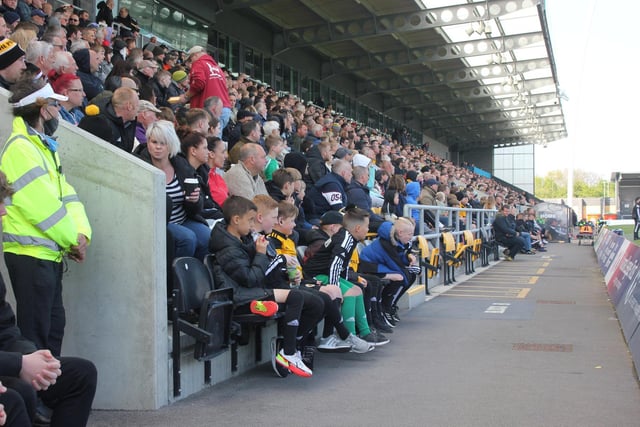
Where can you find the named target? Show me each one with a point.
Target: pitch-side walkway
(534, 342)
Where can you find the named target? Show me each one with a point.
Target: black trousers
(37, 286)
(514, 244)
(70, 397)
(19, 402)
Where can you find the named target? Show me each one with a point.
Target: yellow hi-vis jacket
(45, 215)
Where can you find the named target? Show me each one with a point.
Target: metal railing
(474, 220)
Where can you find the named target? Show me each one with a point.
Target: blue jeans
(191, 238)
(527, 240)
(224, 119)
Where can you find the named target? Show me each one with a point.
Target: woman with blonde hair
(188, 228)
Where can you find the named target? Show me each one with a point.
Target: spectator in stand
(88, 62)
(12, 20)
(11, 63)
(170, 61)
(275, 146)
(89, 35)
(358, 195)
(299, 136)
(281, 239)
(329, 193)
(38, 17)
(389, 257)
(195, 148)
(11, 6)
(105, 12)
(39, 56)
(121, 112)
(233, 132)
(70, 86)
(74, 19)
(243, 179)
(104, 65)
(181, 78)
(145, 71)
(129, 26)
(165, 89)
(390, 206)
(216, 161)
(5, 26)
(198, 120)
(188, 228)
(330, 266)
(318, 158)
(147, 114)
(213, 105)
(242, 264)
(506, 234)
(281, 187)
(250, 132)
(206, 79)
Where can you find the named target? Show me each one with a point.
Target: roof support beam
(400, 22)
(430, 54)
(505, 124)
(461, 75)
(476, 92)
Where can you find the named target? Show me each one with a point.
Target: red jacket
(207, 79)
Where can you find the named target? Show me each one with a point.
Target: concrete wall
(481, 157)
(116, 300)
(436, 147)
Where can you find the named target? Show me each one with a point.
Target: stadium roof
(470, 74)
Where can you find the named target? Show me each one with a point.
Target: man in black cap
(11, 63)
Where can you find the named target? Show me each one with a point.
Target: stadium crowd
(252, 175)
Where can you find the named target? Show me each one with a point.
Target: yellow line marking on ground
(484, 287)
(523, 280)
(486, 291)
(546, 264)
(533, 280)
(540, 271)
(523, 293)
(449, 294)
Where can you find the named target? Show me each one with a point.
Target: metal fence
(447, 219)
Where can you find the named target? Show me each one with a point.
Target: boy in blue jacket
(390, 255)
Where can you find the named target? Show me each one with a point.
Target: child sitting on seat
(330, 266)
(390, 257)
(331, 295)
(243, 264)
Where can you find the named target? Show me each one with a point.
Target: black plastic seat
(242, 322)
(201, 312)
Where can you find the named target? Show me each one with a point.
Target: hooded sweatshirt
(91, 84)
(207, 79)
(383, 257)
(413, 192)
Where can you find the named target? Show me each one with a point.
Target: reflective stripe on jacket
(44, 215)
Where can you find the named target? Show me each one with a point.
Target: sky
(594, 43)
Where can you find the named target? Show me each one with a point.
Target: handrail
(483, 217)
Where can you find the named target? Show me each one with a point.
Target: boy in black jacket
(244, 265)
